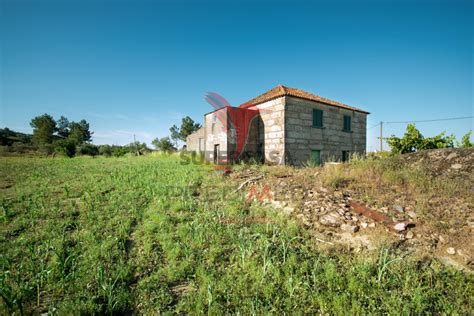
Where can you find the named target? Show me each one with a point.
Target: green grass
(148, 235)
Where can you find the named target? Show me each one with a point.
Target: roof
(280, 91)
(205, 114)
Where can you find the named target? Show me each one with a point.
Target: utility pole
(381, 136)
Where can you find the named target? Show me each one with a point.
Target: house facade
(282, 126)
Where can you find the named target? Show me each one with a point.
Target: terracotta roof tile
(280, 91)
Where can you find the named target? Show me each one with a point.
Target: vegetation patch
(149, 234)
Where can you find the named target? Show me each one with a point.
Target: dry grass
(444, 204)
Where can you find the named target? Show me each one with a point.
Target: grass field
(148, 234)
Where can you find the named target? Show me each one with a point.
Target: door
(316, 157)
(216, 154)
(345, 155)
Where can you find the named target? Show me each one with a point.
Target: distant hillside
(8, 137)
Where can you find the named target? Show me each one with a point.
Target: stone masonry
(283, 131)
(331, 140)
(195, 141)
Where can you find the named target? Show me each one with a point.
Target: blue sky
(137, 67)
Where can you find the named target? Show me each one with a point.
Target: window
(345, 155)
(347, 123)
(317, 118)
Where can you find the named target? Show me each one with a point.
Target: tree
(63, 127)
(466, 141)
(44, 127)
(413, 141)
(188, 126)
(163, 144)
(174, 130)
(79, 132)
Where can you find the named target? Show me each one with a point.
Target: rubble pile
(335, 217)
(447, 162)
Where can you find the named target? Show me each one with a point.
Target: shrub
(88, 149)
(20, 147)
(466, 141)
(66, 147)
(47, 149)
(105, 150)
(163, 144)
(413, 141)
(118, 151)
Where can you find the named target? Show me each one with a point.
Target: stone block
(275, 135)
(275, 128)
(306, 116)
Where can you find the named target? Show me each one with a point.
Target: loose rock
(350, 228)
(399, 208)
(399, 227)
(451, 156)
(451, 251)
(330, 220)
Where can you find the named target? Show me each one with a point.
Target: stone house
(282, 126)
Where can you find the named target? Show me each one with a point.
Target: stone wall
(331, 140)
(195, 141)
(272, 130)
(215, 134)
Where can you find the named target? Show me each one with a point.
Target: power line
(434, 120)
(421, 121)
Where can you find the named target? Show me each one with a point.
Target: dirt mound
(432, 221)
(447, 162)
(327, 213)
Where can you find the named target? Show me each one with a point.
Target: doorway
(345, 155)
(316, 157)
(216, 154)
